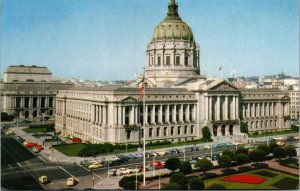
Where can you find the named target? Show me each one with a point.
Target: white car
(160, 153)
(123, 171)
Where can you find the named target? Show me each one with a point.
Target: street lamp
(93, 182)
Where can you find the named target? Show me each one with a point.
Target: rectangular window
(158, 61)
(165, 131)
(168, 60)
(185, 130)
(150, 132)
(158, 132)
(179, 130)
(128, 135)
(177, 60)
(186, 61)
(192, 129)
(172, 131)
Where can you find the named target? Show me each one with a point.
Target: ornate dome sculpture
(172, 27)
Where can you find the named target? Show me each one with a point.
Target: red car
(31, 144)
(76, 140)
(158, 164)
(40, 147)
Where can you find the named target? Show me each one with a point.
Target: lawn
(70, 149)
(275, 180)
(35, 130)
(274, 133)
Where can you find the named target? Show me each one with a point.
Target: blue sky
(107, 39)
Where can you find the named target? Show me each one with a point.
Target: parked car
(141, 168)
(9, 132)
(112, 172)
(39, 147)
(20, 139)
(71, 181)
(123, 171)
(160, 153)
(175, 151)
(43, 179)
(158, 164)
(95, 165)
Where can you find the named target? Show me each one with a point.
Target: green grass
(270, 183)
(287, 183)
(274, 133)
(293, 165)
(35, 130)
(70, 149)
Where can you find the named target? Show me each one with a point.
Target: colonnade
(220, 108)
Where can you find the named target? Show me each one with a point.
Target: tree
(179, 178)
(216, 187)
(290, 151)
(241, 158)
(196, 183)
(206, 134)
(257, 155)
(264, 147)
(171, 186)
(172, 163)
(243, 127)
(241, 150)
(228, 153)
(279, 153)
(204, 165)
(272, 147)
(185, 167)
(224, 161)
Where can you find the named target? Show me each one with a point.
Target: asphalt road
(20, 170)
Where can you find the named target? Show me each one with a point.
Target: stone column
(167, 114)
(136, 108)
(210, 108)
(258, 110)
(181, 113)
(206, 108)
(236, 107)
(217, 108)
(233, 107)
(104, 114)
(219, 131)
(226, 108)
(253, 110)
(123, 115)
(174, 114)
(263, 109)
(194, 112)
(153, 114)
(160, 113)
(187, 116)
(100, 114)
(120, 115)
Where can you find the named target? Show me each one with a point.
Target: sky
(107, 39)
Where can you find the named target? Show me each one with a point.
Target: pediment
(129, 100)
(285, 97)
(223, 86)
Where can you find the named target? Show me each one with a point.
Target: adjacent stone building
(29, 92)
(179, 101)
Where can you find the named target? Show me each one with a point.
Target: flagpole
(144, 133)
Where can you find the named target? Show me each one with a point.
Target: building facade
(294, 104)
(28, 92)
(179, 101)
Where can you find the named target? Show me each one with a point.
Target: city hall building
(179, 101)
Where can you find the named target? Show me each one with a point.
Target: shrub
(295, 128)
(196, 184)
(204, 165)
(257, 156)
(228, 153)
(228, 170)
(244, 168)
(159, 143)
(241, 150)
(279, 153)
(171, 186)
(209, 175)
(243, 127)
(224, 161)
(179, 178)
(172, 163)
(272, 147)
(260, 165)
(185, 167)
(290, 151)
(127, 183)
(206, 134)
(241, 158)
(264, 148)
(216, 187)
